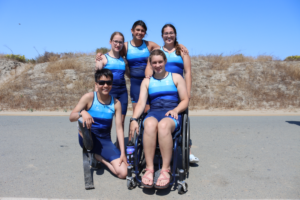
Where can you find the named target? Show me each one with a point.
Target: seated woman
(97, 110)
(165, 91)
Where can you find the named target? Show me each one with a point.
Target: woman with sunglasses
(97, 110)
(136, 53)
(114, 62)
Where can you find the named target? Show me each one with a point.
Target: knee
(150, 127)
(164, 129)
(122, 173)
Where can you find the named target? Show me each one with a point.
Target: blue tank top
(163, 94)
(174, 62)
(102, 115)
(137, 58)
(117, 67)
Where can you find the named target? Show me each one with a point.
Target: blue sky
(251, 27)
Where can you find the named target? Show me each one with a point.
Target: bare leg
(149, 137)
(165, 129)
(113, 166)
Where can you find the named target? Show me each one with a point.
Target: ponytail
(177, 47)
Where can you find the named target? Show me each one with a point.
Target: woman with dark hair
(97, 110)
(168, 98)
(136, 53)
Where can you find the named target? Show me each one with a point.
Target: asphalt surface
(240, 157)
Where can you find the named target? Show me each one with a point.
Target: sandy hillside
(218, 83)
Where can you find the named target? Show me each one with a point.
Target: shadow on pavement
(293, 122)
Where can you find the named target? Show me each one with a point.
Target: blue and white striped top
(163, 93)
(137, 58)
(174, 62)
(102, 115)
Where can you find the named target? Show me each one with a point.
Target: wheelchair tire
(188, 146)
(184, 142)
(181, 190)
(130, 185)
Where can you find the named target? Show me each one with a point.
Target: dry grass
(245, 83)
(54, 86)
(222, 82)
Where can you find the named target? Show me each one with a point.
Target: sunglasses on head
(103, 82)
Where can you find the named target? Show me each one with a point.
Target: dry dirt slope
(218, 82)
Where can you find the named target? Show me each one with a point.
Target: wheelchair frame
(180, 137)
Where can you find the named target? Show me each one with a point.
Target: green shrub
(16, 57)
(102, 50)
(292, 58)
(32, 61)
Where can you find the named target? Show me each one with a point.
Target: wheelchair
(180, 143)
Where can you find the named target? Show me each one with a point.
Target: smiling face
(106, 87)
(169, 35)
(158, 64)
(117, 43)
(138, 32)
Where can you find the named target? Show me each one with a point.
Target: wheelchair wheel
(141, 156)
(131, 184)
(184, 142)
(181, 189)
(188, 149)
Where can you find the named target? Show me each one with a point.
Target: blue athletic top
(117, 67)
(137, 58)
(163, 94)
(174, 62)
(102, 115)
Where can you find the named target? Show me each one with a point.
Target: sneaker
(193, 159)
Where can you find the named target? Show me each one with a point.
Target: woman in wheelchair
(165, 90)
(97, 110)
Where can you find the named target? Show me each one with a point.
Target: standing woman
(177, 61)
(115, 63)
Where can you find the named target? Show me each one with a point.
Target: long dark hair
(176, 44)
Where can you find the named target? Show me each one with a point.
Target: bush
(47, 57)
(102, 50)
(292, 58)
(16, 57)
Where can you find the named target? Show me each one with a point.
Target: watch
(133, 119)
(79, 113)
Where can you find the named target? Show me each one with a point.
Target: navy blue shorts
(159, 115)
(135, 86)
(103, 147)
(122, 96)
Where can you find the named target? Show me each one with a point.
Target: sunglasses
(103, 82)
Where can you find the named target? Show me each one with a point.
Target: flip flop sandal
(164, 178)
(148, 171)
(193, 159)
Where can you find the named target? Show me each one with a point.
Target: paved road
(240, 157)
